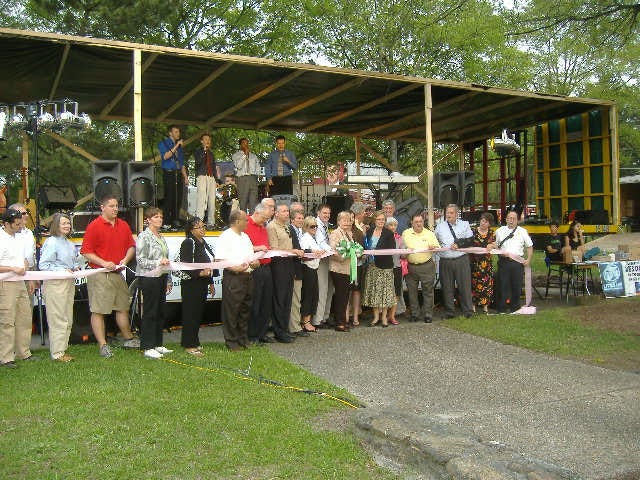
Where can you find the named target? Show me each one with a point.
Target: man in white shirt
(247, 167)
(514, 240)
(325, 285)
(237, 285)
(454, 266)
(15, 309)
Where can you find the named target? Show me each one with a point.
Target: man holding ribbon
(15, 310)
(455, 269)
(422, 268)
(282, 272)
(512, 240)
(108, 243)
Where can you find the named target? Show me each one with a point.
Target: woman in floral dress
(482, 265)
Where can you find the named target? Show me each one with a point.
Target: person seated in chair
(573, 249)
(553, 249)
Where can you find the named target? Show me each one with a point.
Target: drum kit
(226, 200)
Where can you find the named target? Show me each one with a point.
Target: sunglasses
(313, 226)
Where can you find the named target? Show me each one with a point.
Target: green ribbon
(351, 250)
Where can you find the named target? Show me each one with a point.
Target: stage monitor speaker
(405, 211)
(288, 199)
(446, 189)
(467, 189)
(338, 203)
(140, 184)
(107, 179)
(53, 197)
(80, 220)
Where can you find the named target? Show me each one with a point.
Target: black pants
(456, 272)
(509, 284)
(262, 302)
(237, 291)
(194, 297)
(154, 300)
(282, 272)
(173, 188)
(342, 289)
(281, 185)
(309, 302)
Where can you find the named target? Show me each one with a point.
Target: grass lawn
(596, 334)
(130, 417)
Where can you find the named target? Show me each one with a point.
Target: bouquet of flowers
(351, 250)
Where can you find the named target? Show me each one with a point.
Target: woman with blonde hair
(59, 254)
(309, 300)
(339, 268)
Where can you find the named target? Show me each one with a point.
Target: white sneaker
(152, 353)
(163, 350)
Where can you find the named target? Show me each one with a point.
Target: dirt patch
(615, 314)
(621, 315)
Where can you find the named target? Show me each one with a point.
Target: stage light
(69, 117)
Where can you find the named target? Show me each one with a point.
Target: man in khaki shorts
(108, 243)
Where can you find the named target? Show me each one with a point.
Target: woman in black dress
(194, 249)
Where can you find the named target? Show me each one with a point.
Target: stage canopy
(216, 90)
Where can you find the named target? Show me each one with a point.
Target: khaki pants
(58, 298)
(206, 199)
(294, 319)
(15, 321)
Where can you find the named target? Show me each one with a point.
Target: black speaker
(592, 217)
(288, 199)
(405, 211)
(338, 203)
(80, 220)
(140, 184)
(53, 197)
(107, 179)
(467, 189)
(446, 189)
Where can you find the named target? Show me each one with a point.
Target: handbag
(182, 274)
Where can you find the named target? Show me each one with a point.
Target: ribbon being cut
(346, 249)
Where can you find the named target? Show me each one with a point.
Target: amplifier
(80, 220)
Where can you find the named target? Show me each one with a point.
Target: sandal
(306, 325)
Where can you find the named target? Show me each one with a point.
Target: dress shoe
(235, 348)
(284, 339)
(428, 319)
(413, 319)
(302, 333)
(266, 339)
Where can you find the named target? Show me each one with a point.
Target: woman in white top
(309, 301)
(59, 254)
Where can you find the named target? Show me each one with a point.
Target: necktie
(281, 165)
(209, 163)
